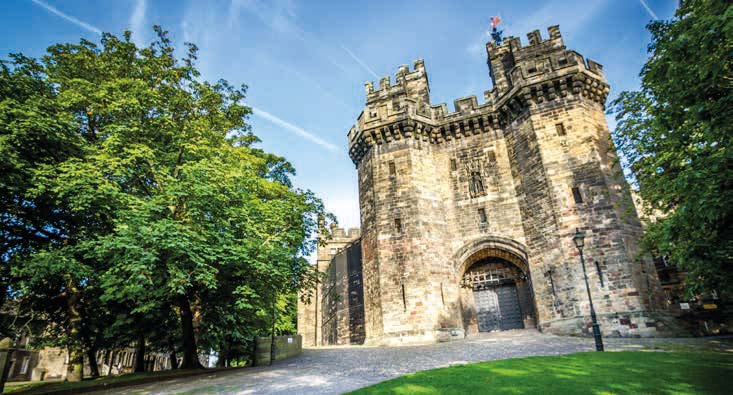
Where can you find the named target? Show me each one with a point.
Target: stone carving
(508, 199)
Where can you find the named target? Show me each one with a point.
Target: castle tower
(313, 304)
(467, 217)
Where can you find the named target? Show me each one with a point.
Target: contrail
(69, 18)
(649, 9)
(369, 69)
(137, 22)
(295, 129)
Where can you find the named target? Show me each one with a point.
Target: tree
(676, 134)
(146, 204)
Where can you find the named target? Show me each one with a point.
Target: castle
(467, 217)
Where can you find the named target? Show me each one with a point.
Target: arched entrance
(496, 289)
(495, 285)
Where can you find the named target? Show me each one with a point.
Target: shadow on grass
(109, 382)
(630, 372)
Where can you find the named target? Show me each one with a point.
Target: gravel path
(336, 370)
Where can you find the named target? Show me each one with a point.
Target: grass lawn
(628, 372)
(106, 381)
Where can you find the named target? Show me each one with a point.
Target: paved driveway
(339, 369)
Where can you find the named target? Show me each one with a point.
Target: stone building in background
(467, 217)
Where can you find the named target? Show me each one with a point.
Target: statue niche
(475, 174)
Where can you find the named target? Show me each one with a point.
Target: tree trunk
(91, 351)
(140, 354)
(190, 353)
(222, 361)
(110, 354)
(174, 359)
(75, 370)
(93, 366)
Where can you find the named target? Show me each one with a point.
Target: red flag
(495, 20)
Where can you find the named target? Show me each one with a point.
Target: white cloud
(294, 128)
(279, 16)
(649, 9)
(67, 17)
(137, 22)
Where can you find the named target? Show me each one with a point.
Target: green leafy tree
(143, 204)
(676, 133)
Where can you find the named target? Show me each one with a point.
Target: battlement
(342, 233)
(402, 76)
(522, 75)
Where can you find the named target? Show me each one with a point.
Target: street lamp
(579, 240)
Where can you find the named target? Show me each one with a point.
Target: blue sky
(306, 62)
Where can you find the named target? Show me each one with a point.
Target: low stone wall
(625, 324)
(285, 347)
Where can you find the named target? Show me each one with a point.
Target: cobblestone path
(336, 370)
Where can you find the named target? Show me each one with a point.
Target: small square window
(492, 157)
(560, 129)
(562, 62)
(392, 169)
(373, 114)
(453, 165)
(577, 196)
(482, 215)
(398, 225)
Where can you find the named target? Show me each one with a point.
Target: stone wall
(343, 298)
(514, 177)
(310, 301)
(285, 347)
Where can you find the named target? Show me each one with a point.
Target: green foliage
(135, 202)
(583, 373)
(676, 134)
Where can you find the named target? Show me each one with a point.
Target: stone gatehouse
(467, 217)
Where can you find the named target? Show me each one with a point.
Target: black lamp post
(579, 240)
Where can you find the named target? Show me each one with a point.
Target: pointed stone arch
(490, 246)
(478, 252)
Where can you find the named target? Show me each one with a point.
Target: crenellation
(539, 72)
(534, 37)
(450, 199)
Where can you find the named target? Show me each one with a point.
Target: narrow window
(442, 296)
(560, 129)
(577, 196)
(404, 299)
(482, 215)
(492, 156)
(398, 225)
(453, 165)
(392, 169)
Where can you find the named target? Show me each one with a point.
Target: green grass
(23, 385)
(106, 381)
(629, 372)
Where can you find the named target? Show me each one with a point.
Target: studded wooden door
(511, 313)
(487, 309)
(497, 308)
